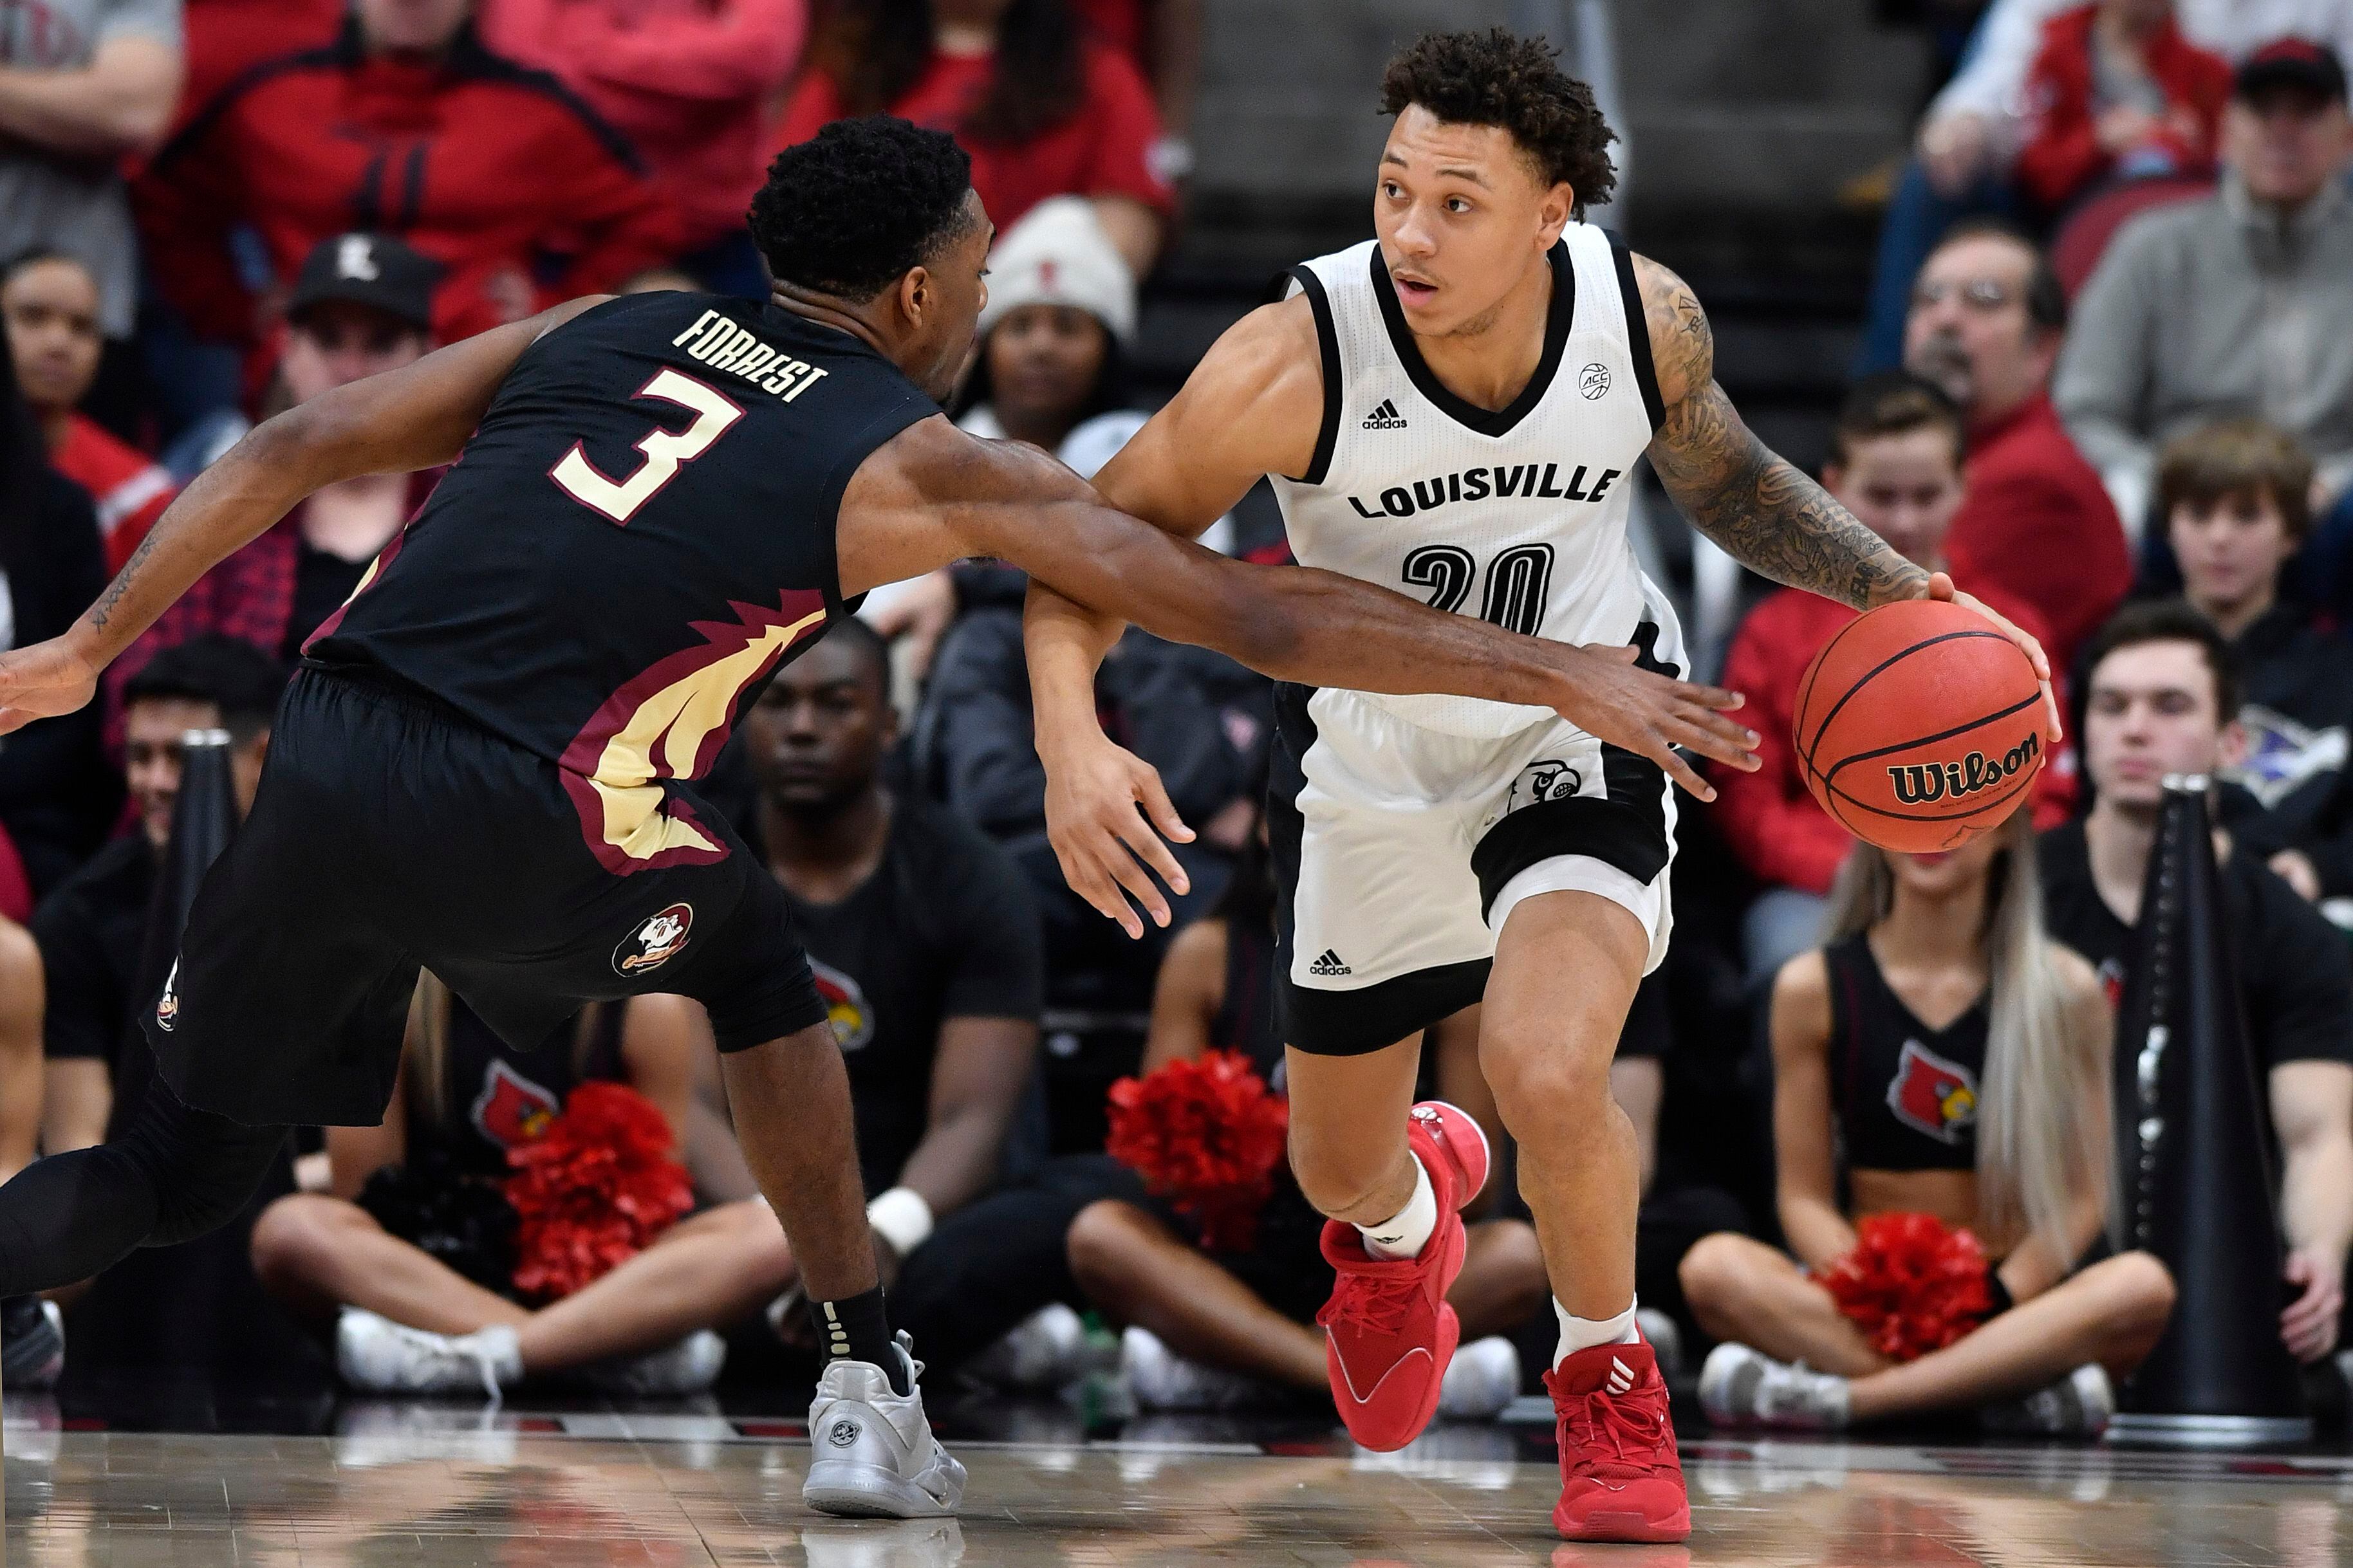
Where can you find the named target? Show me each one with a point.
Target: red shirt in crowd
(226, 38)
(689, 81)
(2064, 157)
(496, 172)
(1770, 818)
(132, 489)
(1100, 151)
(1119, 22)
(2038, 524)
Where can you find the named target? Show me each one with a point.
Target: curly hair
(877, 50)
(1494, 77)
(850, 210)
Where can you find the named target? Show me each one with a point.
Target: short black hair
(1496, 78)
(24, 260)
(869, 645)
(2046, 297)
(229, 672)
(1895, 403)
(851, 210)
(2162, 620)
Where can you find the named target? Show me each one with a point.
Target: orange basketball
(1920, 726)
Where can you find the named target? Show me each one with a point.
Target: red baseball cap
(2292, 62)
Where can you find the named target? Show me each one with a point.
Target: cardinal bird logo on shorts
(512, 1109)
(845, 1005)
(1550, 779)
(1939, 1096)
(656, 941)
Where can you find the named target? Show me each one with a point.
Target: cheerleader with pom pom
(1940, 1126)
(524, 1214)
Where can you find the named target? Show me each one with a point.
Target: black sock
(857, 1329)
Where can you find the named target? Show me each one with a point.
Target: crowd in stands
(2107, 384)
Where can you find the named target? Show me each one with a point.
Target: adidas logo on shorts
(1329, 964)
(1385, 417)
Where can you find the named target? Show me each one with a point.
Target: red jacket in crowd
(2064, 157)
(1102, 150)
(227, 37)
(689, 81)
(494, 170)
(1770, 818)
(132, 489)
(2038, 524)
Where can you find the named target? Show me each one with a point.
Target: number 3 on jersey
(1519, 582)
(665, 453)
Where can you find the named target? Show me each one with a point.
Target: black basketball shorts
(391, 834)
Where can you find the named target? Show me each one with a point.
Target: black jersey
(638, 534)
(1906, 1094)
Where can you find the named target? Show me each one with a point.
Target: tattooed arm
(1753, 503)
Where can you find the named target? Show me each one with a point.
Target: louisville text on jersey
(724, 344)
(1537, 480)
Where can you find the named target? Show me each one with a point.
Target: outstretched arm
(415, 417)
(1754, 503)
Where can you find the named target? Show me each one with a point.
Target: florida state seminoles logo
(845, 1005)
(1936, 1095)
(511, 1109)
(655, 941)
(167, 1009)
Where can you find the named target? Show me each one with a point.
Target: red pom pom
(1912, 1284)
(592, 1190)
(1206, 1132)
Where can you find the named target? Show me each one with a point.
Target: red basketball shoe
(1389, 1330)
(1621, 1475)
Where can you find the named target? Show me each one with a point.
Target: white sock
(1410, 1230)
(1584, 1334)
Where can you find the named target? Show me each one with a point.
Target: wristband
(901, 1217)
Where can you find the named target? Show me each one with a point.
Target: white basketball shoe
(872, 1453)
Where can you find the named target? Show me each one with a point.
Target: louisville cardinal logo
(845, 1005)
(512, 1109)
(655, 941)
(1939, 1096)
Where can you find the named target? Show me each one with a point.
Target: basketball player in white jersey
(1455, 410)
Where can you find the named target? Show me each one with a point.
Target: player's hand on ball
(1940, 586)
(1651, 714)
(1098, 798)
(41, 682)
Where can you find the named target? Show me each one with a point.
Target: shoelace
(1377, 1304)
(485, 1363)
(1591, 1420)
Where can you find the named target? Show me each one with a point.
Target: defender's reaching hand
(1649, 713)
(1098, 796)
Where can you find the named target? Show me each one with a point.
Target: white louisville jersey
(1516, 515)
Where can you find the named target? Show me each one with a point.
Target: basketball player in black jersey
(481, 768)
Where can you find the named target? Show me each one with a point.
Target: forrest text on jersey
(723, 344)
(1539, 480)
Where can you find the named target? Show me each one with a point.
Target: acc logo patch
(1594, 382)
(655, 941)
(1936, 1095)
(167, 1009)
(846, 1007)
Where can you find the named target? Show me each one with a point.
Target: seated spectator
(57, 797)
(84, 84)
(1043, 108)
(50, 302)
(2235, 498)
(516, 186)
(1942, 1056)
(1986, 325)
(1895, 463)
(690, 82)
(2159, 691)
(407, 1321)
(1162, 38)
(2238, 305)
(362, 305)
(1208, 1329)
(925, 945)
(2117, 94)
(32, 1330)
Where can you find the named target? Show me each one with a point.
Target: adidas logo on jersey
(1385, 417)
(1329, 964)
